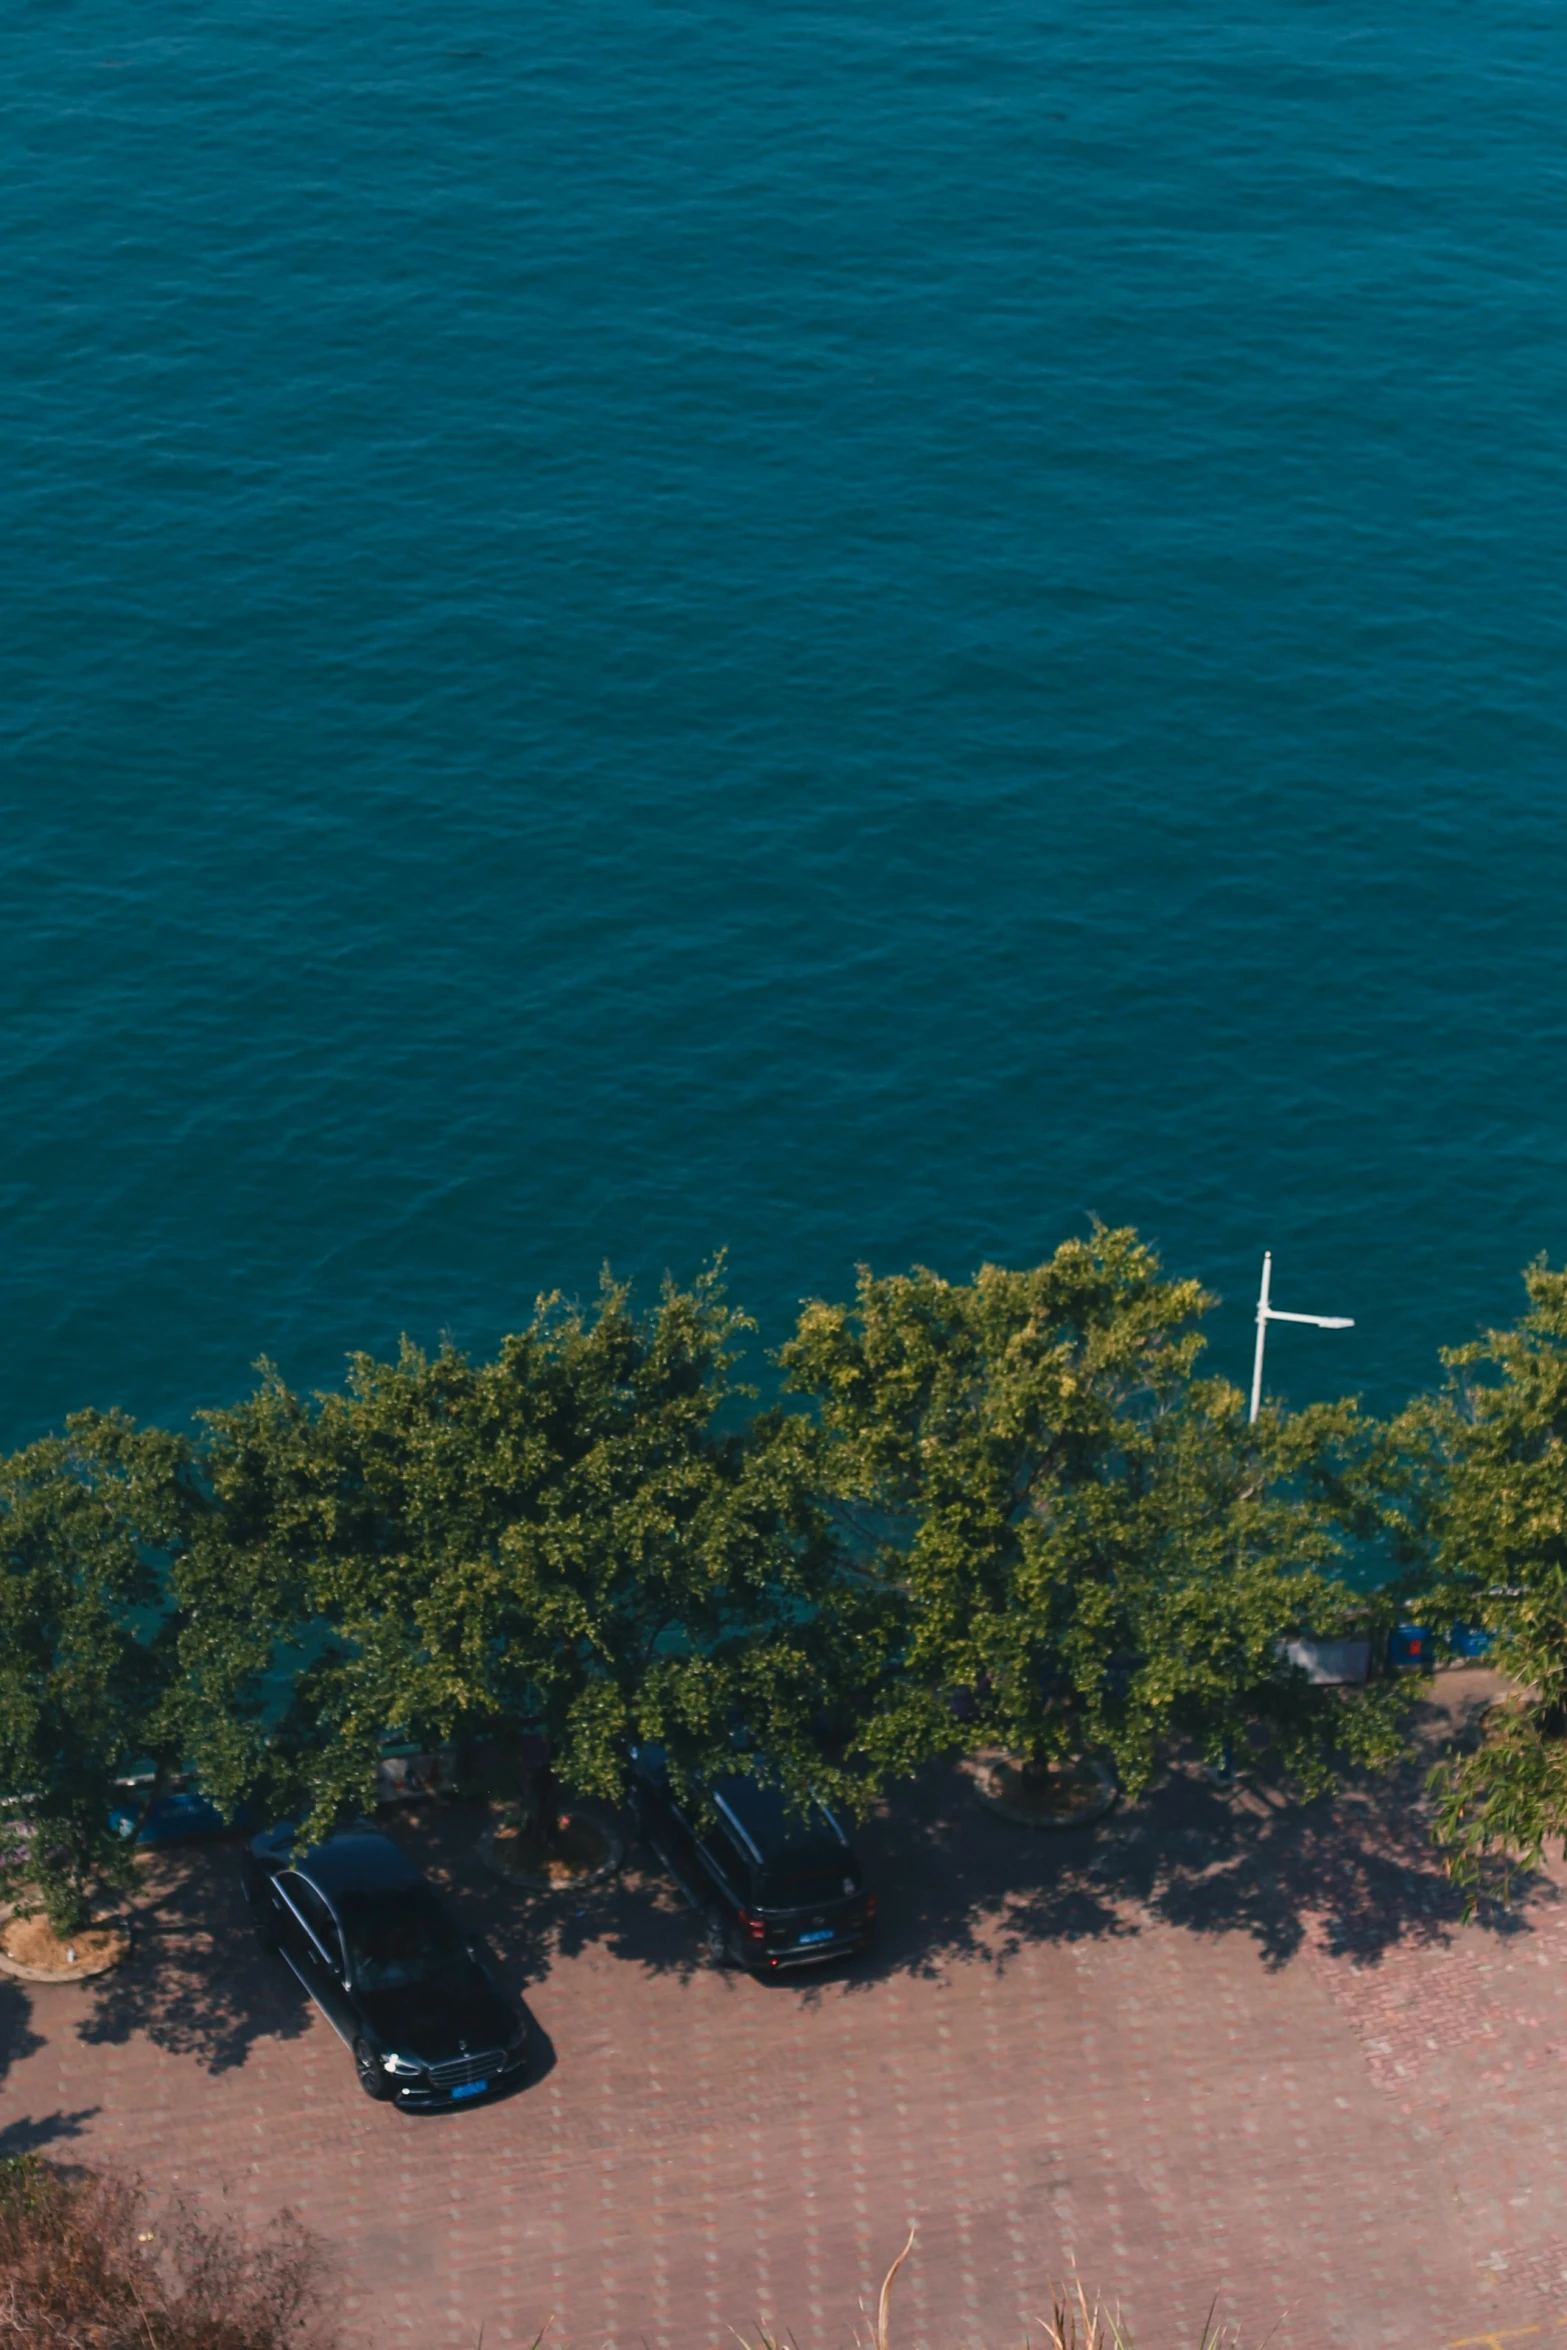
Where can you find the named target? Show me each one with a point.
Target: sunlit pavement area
(1217, 2050)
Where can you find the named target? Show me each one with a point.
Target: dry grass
(1076, 2323)
(1073, 2323)
(84, 2267)
(32, 1941)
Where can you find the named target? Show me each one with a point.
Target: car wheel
(716, 1944)
(374, 2082)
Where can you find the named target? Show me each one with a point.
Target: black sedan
(376, 1949)
(775, 1891)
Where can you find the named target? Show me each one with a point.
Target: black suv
(773, 1890)
(374, 1946)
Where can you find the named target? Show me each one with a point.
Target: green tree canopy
(86, 1649)
(566, 1535)
(1478, 1484)
(1080, 1542)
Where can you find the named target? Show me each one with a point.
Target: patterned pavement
(1218, 2050)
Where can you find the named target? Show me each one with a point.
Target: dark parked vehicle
(774, 1891)
(378, 1952)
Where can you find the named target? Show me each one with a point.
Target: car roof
(359, 1864)
(774, 1831)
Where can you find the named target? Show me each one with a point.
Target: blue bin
(1410, 1649)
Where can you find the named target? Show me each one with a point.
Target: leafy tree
(567, 1537)
(85, 1649)
(1478, 1504)
(1082, 1544)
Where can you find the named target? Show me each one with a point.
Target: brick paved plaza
(1216, 2048)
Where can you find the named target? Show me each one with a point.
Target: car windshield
(398, 1939)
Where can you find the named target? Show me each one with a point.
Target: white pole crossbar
(1267, 1313)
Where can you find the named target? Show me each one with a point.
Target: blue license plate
(471, 2089)
(822, 1934)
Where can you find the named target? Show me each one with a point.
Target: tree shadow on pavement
(195, 1982)
(520, 1931)
(27, 2136)
(947, 1875)
(1355, 1873)
(17, 2037)
(27, 2133)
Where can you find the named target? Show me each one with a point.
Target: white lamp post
(1267, 1313)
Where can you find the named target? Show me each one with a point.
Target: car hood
(431, 2021)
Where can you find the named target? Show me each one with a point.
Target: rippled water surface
(843, 630)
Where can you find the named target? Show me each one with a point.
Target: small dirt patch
(579, 1846)
(33, 1944)
(1046, 1795)
(584, 1849)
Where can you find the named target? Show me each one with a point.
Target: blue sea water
(835, 629)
